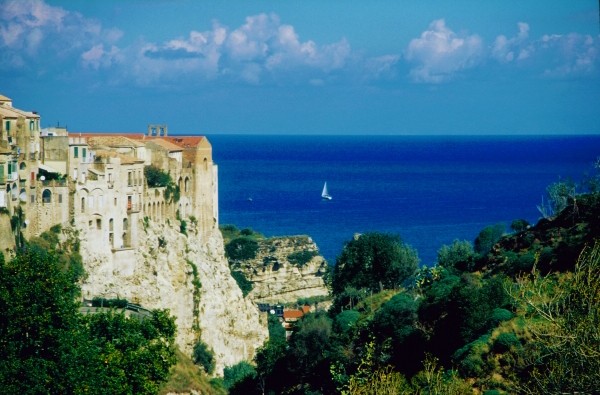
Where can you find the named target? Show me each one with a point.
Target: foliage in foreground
(47, 346)
(484, 320)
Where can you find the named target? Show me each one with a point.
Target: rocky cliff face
(285, 269)
(186, 275)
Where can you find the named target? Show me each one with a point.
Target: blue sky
(312, 66)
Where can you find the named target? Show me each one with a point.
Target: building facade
(97, 181)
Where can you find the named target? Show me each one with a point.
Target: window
(83, 205)
(31, 125)
(111, 224)
(75, 152)
(84, 152)
(129, 179)
(32, 198)
(99, 224)
(47, 196)
(7, 126)
(60, 197)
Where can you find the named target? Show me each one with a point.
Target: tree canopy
(374, 261)
(47, 346)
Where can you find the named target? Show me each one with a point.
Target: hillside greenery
(47, 346)
(514, 312)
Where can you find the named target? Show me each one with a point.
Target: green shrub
(156, 177)
(114, 303)
(519, 225)
(242, 282)
(301, 258)
(506, 341)
(246, 232)
(241, 248)
(204, 357)
(487, 238)
(459, 255)
(237, 373)
(499, 315)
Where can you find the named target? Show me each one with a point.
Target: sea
(430, 190)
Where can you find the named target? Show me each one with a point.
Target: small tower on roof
(155, 130)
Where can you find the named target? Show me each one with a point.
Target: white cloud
(439, 53)
(552, 55)
(260, 49)
(516, 48)
(31, 30)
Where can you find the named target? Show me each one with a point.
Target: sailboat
(325, 194)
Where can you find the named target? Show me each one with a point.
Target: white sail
(325, 194)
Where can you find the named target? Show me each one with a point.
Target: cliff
(188, 276)
(285, 269)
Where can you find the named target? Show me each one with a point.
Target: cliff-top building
(97, 181)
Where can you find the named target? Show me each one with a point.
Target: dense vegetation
(47, 346)
(508, 313)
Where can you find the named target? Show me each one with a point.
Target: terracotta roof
(185, 141)
(292, 314)
(306, 309)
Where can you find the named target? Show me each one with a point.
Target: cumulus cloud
(439, 53)
(515, 48)
(551, 55)
(32, 29)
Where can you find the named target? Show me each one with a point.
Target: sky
(305, 67)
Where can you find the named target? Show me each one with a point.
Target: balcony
(133, 208)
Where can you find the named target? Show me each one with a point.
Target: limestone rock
(159, 273)
(279, 278)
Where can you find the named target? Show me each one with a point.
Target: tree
(519, 225)
(39, 325)
(488, 237)
(374, 261)
(241, 248)
(238, 373)
(459, 255)
(46, 346)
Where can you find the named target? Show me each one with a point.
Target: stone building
(96, 181)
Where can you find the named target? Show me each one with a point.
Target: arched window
(187, 185)
(83, 205)
(205, 164)
(22, 166)
(111, 225)
(125, 224)
(47, 196)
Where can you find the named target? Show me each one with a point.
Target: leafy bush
(242, 282)
(459, 255)
(115, 303)
(301, 258)
(506, 341)
(156, 177)
(374, 261)
(204, 357)
(241, 248)
(488, 237)
(519, 225)
(237, 373)
(499, 315)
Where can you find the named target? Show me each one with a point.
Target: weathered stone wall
(276, 279)
(159, 273)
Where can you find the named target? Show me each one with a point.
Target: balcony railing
(133, 207)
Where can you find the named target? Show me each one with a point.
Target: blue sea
(429, 190)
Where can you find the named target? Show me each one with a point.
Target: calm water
(430, 190)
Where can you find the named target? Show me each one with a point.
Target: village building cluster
(98, 182)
